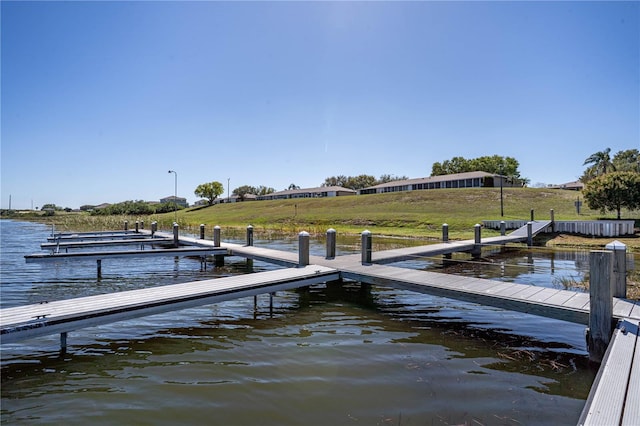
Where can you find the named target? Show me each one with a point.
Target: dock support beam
(331, 243)
(552, 216)
(250, 235)
(63, 342)
(303, 249)
(445, 233)
(529, 234)
(366, 247)
(619, 287)
(600, 303)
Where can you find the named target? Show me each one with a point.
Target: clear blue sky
(101, 99)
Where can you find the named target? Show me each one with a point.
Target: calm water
(330, 355)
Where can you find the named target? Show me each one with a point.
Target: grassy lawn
(416, 214)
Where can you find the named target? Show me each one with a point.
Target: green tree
(627, 161)
(293, 186)
(601, 164)
(613, 191)
(242, 191)
(264, 190)
(209, 190)
(507, 166)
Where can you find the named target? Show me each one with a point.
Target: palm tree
(601, 161)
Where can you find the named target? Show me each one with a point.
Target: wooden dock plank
(606, 402)
(631, 415)
(25, 322)
(100, 243)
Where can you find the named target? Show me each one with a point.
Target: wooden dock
(614, 397)
(25, 322)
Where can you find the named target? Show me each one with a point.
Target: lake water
(336, 355)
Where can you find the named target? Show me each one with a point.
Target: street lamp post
(501, 200)
(175, 196)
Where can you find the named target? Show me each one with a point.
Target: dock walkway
(614, 397)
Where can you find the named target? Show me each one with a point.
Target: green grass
(416, 214)
(406, 214)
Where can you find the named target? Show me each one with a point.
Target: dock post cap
(303, 234)
(616, 245)
(331, 230)
(445, 224)
(366, 232)
(216, 227)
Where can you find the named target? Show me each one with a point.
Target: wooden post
(600, 303)
(142, 224)
(202, 231)
(366, 247)
(503, 228)
(176, 241)
(445, 232)
(619, 287)
(126, 225)
(553, 220)
(218, 258)
(303, 249)
(250, 235)
(137, 226)
(477, 248)
(63, 342)
(331, 243)
(532, 219)
(529, 234)
(216, 236)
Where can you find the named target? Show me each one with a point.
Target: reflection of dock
(614, 397)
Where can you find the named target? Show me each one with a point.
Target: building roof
(569, 185)
(311, 191)
(439, 178)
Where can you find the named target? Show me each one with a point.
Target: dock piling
(250, 235)
(137, 227)
(600, 303)
(366, 247)
(503, 228)
(619, 286)
(218, 259)
(445, 232)
(154, 228)
(202, 231)
(477, 233)
(552, 216)
(63, 342)
(532, 219)
(176, 240)
(126, 225)
(530, 234)
(331, 243)
(303, 249)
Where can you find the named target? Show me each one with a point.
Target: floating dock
(615, 394)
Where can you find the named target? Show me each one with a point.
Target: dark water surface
(336, 355)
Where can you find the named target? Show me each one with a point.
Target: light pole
(501, 202)
(175, 196)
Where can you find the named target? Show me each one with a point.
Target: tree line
(612, 184)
